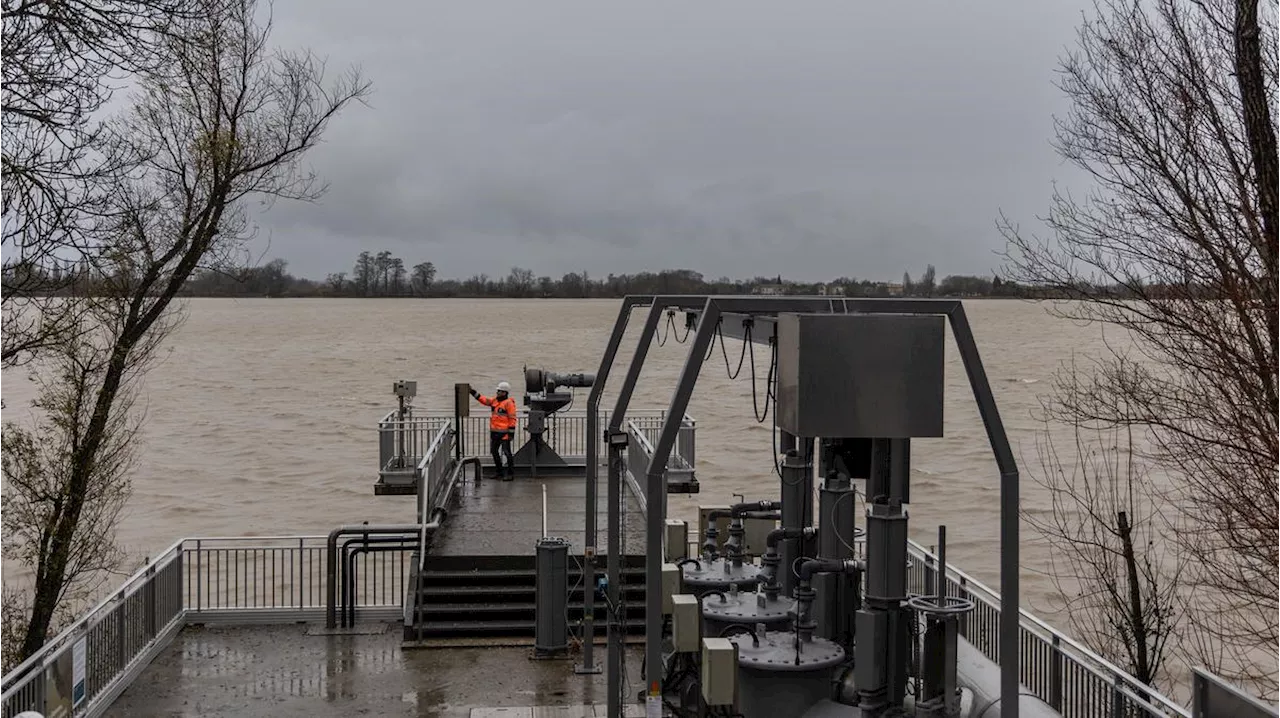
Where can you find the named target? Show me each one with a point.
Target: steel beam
(614, 537)
(593, 441)
(655, 488)
(734, 325)
(1009, 477)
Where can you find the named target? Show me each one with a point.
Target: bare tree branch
(1176, 245)
(220, 118)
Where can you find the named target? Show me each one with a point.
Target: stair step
(502, 628)
(498, 593)
(522, 574)
(576, 607)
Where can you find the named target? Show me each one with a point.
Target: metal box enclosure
(676, 540)
(551, 632)
(755, 542)
(462, 400)
(686, 623)
(404, 387)
(670, 585)
(861, 375)
(719, 671)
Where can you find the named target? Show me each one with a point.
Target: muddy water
(261, 413)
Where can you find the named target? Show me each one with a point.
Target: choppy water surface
(261, 415)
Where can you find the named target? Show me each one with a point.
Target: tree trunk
(1137, 619)
(1262, 142)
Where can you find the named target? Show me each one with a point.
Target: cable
(666, 334)
(746, 340)
(832, 517)
(688, 329)
(582, 575)
(768, 382)
(711, 345)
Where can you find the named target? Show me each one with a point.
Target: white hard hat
(503, 386)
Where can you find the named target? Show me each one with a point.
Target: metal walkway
(504, 518)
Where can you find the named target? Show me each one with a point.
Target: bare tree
(56, 65)
(222, 119)
(40, 477)
(1178, 247)
(1117, 578)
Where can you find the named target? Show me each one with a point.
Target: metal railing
(281, 579)
(196, 580)
(566, 432)
(1070, 677)
(402, 444)
(433, 468)
(1212, 696)
(639, 452)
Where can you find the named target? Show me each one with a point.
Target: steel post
(614, 627)
(593, 441)
(655, 490)
(833, 609)
(797, 507)
(1009, 488)
(615, 474)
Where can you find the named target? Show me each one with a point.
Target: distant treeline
(385, 275)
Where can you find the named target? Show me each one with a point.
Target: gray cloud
(813, 139)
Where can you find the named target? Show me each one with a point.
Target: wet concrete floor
(283, 671)
(504, 518)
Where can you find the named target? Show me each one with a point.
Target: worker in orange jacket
(502, 428)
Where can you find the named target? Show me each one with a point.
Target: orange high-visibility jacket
(502, 414)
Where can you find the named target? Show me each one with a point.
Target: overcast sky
(739, 138)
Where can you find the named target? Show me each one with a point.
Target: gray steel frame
(593, 462)
(714, 309)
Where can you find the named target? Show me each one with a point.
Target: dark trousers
(501, 440)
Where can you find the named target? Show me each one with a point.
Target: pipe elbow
(737, 510)
(781, 534)
(823, 565)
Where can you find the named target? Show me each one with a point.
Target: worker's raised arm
(482, 399)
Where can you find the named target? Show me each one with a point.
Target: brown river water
(261, 414)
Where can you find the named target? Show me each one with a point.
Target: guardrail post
(1117, 696)
(930, 575)
(199, 578)
(149, 600)
(1055, 673)
(122, 658)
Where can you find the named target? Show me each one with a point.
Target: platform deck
(291, 671)
(504, 518)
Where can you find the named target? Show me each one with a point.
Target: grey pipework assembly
(835, 334)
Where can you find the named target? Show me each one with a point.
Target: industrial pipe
(805, 594)
(347, 591)
(331, 559)
(771, 559)
(822, 565)
(422, 531)
(349, 563)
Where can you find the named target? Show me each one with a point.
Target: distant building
(893, 289)
(769, 289)
(830, 290)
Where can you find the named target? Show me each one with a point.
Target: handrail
(51, 646)
(425, 490)
(1131, 685)
(1117, 682)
